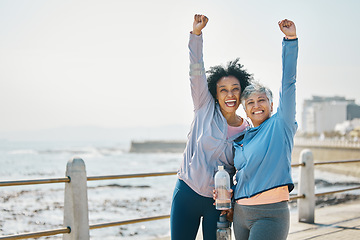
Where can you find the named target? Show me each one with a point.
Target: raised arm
(287, 105)
(199, 89)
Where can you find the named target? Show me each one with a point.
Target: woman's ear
(271, 107)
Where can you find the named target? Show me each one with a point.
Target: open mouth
(230, 103)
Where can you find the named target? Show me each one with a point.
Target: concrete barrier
(76, 201)
(306, 206)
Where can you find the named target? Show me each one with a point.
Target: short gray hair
(255, 87)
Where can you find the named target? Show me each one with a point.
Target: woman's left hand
(229, 214)
(288, 28)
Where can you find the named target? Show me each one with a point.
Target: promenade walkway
(341, 221)
(338, 222)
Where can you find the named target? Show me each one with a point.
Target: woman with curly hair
(214, 128)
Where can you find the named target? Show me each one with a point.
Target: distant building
(353, 111)
(321, 114)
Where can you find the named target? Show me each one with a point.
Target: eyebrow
(259, 97)
(235, 84)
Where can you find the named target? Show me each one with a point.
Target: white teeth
(258, 112)
(230, 103)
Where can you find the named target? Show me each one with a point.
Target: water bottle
(223, 231)
(222, 186)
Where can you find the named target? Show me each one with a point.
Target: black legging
(186, 211)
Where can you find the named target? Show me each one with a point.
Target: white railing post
(306, 206)
(76, 201)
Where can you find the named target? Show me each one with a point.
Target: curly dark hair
(234, 69)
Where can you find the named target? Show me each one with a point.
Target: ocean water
(40, 207)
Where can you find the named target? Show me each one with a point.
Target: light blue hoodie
(263, 156)
(207, 146)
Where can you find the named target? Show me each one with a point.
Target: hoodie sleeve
(287, 102)
(199, 88)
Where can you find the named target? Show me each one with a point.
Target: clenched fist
(288, 28)
(200, 22)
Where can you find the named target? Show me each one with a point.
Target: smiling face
(258, 108)
(228, 91)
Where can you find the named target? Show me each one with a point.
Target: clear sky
(125, 62)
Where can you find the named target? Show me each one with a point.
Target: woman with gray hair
(263, 154)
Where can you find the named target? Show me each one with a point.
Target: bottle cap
(220, 167)
(223, 222)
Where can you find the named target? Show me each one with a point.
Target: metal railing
(34, 182)
(327, 163)
(341, 190)
(69, 180)
(67, 230)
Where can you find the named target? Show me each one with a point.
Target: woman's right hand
(215, 194)
(200, 22)
(230, 212)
